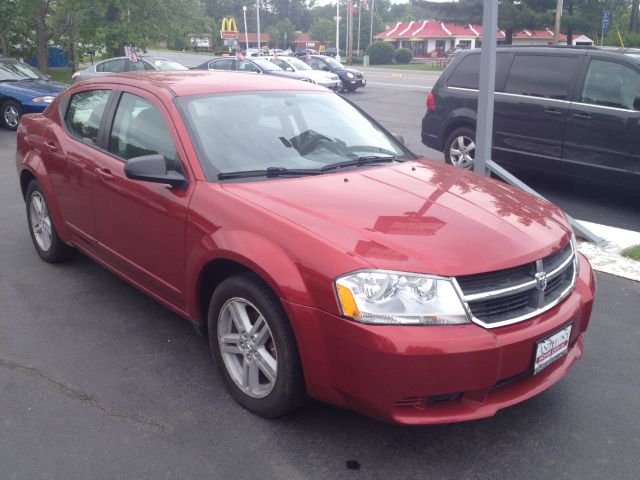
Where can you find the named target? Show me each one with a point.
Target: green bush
(403, 55)
(380, 52)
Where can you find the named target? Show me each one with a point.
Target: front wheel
(254, 346)
(10, 114)
(460, 148)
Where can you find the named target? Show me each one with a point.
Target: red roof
(253, 37)
(433, 28)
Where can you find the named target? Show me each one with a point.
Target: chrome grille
(515, 294)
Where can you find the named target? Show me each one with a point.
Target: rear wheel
(460, 148)
(43, 232)
(254, 346)
(10, 113)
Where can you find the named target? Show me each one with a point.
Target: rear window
(541, 76)
(467, 73)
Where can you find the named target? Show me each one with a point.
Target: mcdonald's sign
(229, 29)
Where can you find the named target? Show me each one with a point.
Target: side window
(244, 66)
(467, 73)
(282, 64)
(315, 64)
(139, 129)
(115, 66)
(148, 66)
(610, 84)
(541, 76)
(84, 114)
(136, 66)
(226, 64)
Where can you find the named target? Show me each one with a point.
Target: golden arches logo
(229, 25)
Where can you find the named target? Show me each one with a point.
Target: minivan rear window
(541, 76)
(467, 73)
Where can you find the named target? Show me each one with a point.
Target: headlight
(47, 99)
(396, 298)
(349, 74)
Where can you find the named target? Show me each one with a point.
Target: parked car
(453, 51)
(351, 78)
(293, 64)
(304, 52)
(258, 65)
(23, 89)
(321, 257)
(562, 110)
(125, 64)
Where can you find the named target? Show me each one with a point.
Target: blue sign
(605, 25)
(605, 16)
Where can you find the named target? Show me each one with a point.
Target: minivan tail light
(431, 102)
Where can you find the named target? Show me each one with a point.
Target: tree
(323, 30)
(282, 33)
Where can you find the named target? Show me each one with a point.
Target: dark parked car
(253, 65)
(563, 110)
(351, 78)
(23, 89)
(126, 64)
(321, 257)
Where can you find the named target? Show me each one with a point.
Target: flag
(239, 55)
(133, 56)
(365, 4)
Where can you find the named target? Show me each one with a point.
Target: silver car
(125, 64)
(293, 64)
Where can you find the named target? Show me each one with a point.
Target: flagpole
(359, 17)
(338, 30)
(373, 4)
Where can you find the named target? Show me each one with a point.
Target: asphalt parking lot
(99, 381)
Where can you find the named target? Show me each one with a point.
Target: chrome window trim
(605, 107)
(518, 95)
(571, 258)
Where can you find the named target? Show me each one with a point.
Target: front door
(140, 226)
(602, 139)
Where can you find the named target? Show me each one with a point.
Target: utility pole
(338, 30)
(556, 30)
(258, 20)
(359, 18)
(373, 4)
(246, 35)
(350, 32)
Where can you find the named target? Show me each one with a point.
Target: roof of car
(197, 82)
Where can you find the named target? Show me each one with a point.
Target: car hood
(351, 70)
(34, 87)
(319, 75)
(416, 216)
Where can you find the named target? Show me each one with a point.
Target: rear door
(602, 139)
(531, 109)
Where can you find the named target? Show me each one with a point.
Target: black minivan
(572, 111)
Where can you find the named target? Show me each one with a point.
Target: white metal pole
(258, 21)
(246, 35)
(359, 18)
(373, 3)
(487, 86)
(338, 30)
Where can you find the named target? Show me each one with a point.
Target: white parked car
(293, 64)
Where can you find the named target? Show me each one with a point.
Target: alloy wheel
(247, 347)
(462, 152)
(40, 221)
(11, 116)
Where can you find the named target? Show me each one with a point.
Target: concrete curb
(607, 258)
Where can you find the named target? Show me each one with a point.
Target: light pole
(246, 35)
(373, 4)
(359, 17)
(258, 20)
(338, 30)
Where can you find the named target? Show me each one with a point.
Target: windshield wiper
(270, 172)
(357, 162)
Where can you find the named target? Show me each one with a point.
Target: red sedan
(318, 254)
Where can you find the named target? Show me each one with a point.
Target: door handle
(51, 146)
(554, 111)
(104, 173)
(583, 116)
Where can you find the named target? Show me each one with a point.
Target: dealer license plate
(551, 349)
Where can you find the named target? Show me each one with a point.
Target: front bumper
(334, 85)
(426, 375)
(353, 83)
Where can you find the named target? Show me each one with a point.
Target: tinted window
(467, 73)
(113, 66)
(136, 66)
(316, 64)
(541, 76)
(139, 129)
(244, 66)
(84, 114)
(610, 84)
(226, 64)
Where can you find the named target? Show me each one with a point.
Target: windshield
(334, 63)
(14, 70)
(163, 64)
(298, 64)
(265, 64)
(293, 130)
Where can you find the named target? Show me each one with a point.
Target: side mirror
(399, 138)
(636, 103)
(153, 168)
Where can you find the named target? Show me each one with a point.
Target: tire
(43, 232)
(463, 141)
(260, 363)
(10, 114)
